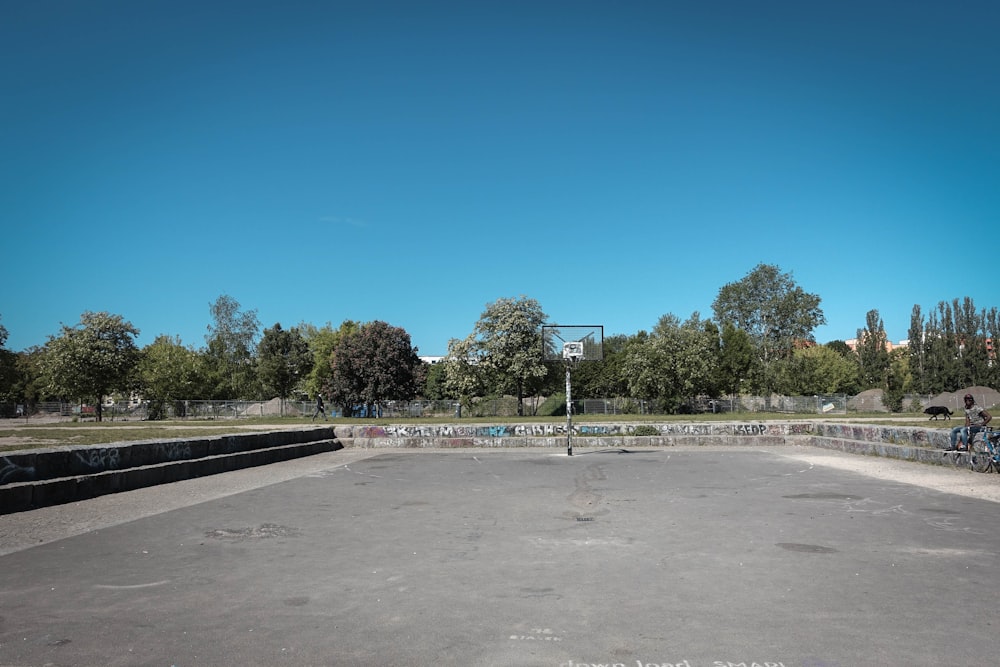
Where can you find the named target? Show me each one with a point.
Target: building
(889, 345)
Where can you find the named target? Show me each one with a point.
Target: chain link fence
(487, 408)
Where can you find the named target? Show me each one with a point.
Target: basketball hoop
(572, 344)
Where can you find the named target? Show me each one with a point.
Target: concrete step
(46, 482)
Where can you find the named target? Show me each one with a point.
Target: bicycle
(984, 450)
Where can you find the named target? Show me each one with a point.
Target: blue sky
(414, 161)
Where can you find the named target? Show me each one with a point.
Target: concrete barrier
(53, 476)
(51, 463)
(41, 477)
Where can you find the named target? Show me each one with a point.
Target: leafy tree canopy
(231, 339)
(170, 371)
(322, 342)
(284, 359)
(773, 310)
(503, 352)
(676, 363)
(8, 369)
(92, 359)
(373, 365)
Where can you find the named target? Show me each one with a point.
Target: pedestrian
(320, 410)
(976, 420)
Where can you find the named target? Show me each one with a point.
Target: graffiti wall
(555, 430)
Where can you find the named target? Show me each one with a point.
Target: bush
(893, 400)
(629, 407)
(553, 406)
(645, 429)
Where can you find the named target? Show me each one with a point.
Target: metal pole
(569, 412)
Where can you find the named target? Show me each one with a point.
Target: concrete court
(682, 556)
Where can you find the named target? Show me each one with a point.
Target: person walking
(320, 410)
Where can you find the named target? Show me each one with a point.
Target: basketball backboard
(572, 343)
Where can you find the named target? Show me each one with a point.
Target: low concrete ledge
(581, 441)
(22, 495)
(920, 454)
(56, 462)
(52, 476)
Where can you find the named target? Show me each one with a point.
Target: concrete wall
(554, 435)
(37, 478)
(48, 476)
(622, 434)
(50, 463)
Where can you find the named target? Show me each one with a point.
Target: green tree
(916, 350)
(951, 349)
(941, 350)
(169, 372)
(604, 378)
(8, 369)
(374, 365)
(841, 348)
(503, 353)
(873, 353)
(435, 384)
(93, 359)
(674, 364)
(898, 380)
(970, 331)
(818, 369)
(736, 359)
(774, 311)
(30, 383)
(991, 330)
(464, 378)
(284, 359)
(322, 342)
(231, 342)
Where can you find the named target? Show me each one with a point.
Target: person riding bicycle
(976, 420)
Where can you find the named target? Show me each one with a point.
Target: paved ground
(697, 557)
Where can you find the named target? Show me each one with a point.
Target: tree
(604, 378)
(464, 379)
(951, 349)
(170, 372)
(435, 386)
(898, 380)
(322, 342)
(92, 359)
(941, 362)
(841, 348)
(818, 369)
(873, 353)
(503, 352)
(284, 359)
(8, 369)
(231, 342)
(736, 358)
(773, 311)
(970, 329)
(991, 329)
(30, 383)
(915, 349)
(374, 365)
(675, 364)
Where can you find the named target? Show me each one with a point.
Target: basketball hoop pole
(569, 410)
(580, 342)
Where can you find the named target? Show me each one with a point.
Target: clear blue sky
(414, 161)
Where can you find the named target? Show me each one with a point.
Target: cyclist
(976, 420)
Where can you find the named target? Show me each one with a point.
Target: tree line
(760, 341)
